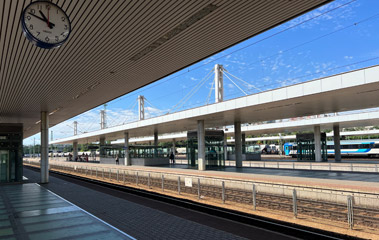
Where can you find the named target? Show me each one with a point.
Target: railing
(345, 167)
(353, 208)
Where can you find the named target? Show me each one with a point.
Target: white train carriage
(357, 148)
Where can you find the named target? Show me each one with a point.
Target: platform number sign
(188, 182)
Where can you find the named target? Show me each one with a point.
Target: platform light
(54, 111)
(175, 31)
(38, 122)
(93, 86)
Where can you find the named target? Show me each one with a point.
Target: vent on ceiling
(178, 29)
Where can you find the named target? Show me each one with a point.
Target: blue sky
(338, 37)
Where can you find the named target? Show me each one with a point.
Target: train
(349, 148)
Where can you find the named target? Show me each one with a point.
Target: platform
(165, 180)
(143, 218)
(351, 181)
(29, 211)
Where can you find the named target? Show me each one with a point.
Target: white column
(317, 138)
(103, 123)
(225, 147)
(141, 107)
(127, 160)
(238, 143)
(75, 128)
(219, 82)
(44, 147)
(337, 143)
(201, 145)
(75, 150)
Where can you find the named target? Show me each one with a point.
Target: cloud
(317, 16)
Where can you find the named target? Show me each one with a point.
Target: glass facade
(306, 147)
(111, 151)
(214, 150)
(10, 152)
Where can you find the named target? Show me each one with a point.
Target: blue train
(358, 148)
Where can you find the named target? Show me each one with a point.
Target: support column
(103, 118)
(75, 150)
(243, 143)
(141, 107)
(225, 147)
(102, 143)
(219, 82)
(238, 143)
(155, 143)
(127, 160)
(75, 128)
(201, 145)
(337, 143)
(173, 146)
(317, 138)
(44, 147)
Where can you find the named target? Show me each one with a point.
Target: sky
(338, 37)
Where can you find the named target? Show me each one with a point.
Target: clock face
(45, 24)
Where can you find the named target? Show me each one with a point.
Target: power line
(249, 45)
(235, 84)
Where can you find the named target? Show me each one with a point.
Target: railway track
(361, 216)
(268, 201)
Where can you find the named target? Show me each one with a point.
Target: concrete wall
(105, 160)
(246, 157)
(150, 161)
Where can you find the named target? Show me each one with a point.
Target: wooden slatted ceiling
(106, 35)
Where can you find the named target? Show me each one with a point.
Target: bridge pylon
(219, 83)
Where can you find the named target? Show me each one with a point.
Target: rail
(353, 208)
(314, 166)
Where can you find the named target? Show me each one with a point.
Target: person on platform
(117, 162)
(172, 158)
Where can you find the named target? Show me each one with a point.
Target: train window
(376, 145)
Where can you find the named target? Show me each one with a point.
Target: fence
(345, 167)
(353, 208)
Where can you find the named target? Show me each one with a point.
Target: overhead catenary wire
(181, 105)
(235, 84)
(73, 128)
(301, 44)
(131, 109)
(210, 92)
(244, 47)
(150, 110)
(193, 93)
(247, 84)
(190, 94)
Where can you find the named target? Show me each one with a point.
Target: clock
(45, 24)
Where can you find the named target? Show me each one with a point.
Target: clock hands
(49, 24)
(43, 19)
